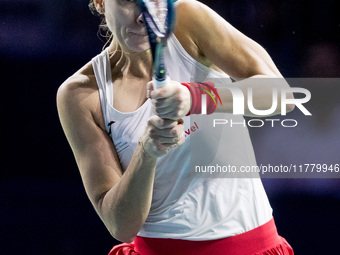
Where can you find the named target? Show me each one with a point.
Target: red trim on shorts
(263, 240)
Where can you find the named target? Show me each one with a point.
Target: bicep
(94, 152)
(97, 161)
(226, 47)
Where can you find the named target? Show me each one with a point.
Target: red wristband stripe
(196, 90)
(212, 97)
(213, 89)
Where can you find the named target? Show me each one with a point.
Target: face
(125, 21)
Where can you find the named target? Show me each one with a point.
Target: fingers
(149, 89)
(165, 130)
(169, 109)
(162, 136)
(173, 101)
(173, 135)
(165, 91)
(160, 123)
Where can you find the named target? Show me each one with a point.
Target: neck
(135, 64)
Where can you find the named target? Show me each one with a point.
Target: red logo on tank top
(191, 130)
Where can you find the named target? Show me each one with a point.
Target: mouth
(137, 34)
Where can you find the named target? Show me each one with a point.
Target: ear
(99, 4)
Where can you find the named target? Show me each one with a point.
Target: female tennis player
(131, 142)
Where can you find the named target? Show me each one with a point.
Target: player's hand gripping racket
(159, 16)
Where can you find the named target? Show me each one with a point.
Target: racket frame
(157, 39)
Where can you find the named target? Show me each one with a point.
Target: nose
(140, 19)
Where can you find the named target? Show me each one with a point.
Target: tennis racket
(159, 16)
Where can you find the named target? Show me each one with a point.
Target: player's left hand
(172, 101)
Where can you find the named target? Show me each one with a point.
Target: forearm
(262, 88)
(125, 207)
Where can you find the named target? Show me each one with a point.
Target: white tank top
(184, 207)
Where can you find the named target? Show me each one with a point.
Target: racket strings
(158, 10)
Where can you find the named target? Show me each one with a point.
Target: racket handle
(158, 84)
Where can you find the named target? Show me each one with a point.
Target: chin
(137, 45)
(138, 48)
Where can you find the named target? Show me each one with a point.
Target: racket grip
(158, 84)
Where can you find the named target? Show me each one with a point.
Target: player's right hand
(172, 101)
(162, 135)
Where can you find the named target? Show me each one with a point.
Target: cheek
(111, 22)
(116, 21)
(112, 16)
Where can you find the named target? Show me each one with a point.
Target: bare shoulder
(188, 4)
(79, 95)
(214, 40)
(190, 22)
(185, 13)
(82, 81)
(190, 14)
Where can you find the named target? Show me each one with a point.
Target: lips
(137, 32)
(141, 35)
